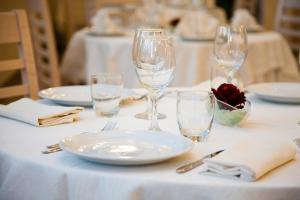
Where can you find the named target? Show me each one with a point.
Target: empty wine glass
(139, 33)
(155, 68)
(230, 49)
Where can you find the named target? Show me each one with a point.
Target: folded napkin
(37, 114)
(243, 17)
(197, 25)
(250, 159)
(102, 22)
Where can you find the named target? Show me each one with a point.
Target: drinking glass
(106, 91)
(195, 113)
(230, 49)
(155, 68)
(139, 33)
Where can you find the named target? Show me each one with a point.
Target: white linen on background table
(269, 59)
(25, 173)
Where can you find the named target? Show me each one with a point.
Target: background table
(25, 173)
(269, 59)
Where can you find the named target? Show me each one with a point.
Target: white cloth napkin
(37, 114)
(197, 25)
(250, 159)
(243, 17)
(102, 22)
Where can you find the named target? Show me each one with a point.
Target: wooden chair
(14, 28)
(288, 22)
(44, 43)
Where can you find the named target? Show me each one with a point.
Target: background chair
(44, 43)
(14, 28)
(288, 22)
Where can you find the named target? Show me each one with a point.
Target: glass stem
(149, 107)
(154, 122)
(230, 77)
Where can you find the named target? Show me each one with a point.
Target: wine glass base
(147, 116)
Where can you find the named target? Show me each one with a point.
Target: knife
(189, 166)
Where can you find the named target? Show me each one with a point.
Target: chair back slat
(9, 65)
(14, 91)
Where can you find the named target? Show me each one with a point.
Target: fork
(56, 148)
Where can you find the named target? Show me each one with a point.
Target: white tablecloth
(269, 59)
(25, 173)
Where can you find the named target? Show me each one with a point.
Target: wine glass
(139, 33)
(230, 49)
(155, 68)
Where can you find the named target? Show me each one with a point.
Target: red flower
(231, 95)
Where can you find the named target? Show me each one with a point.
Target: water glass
(106, 91)
(195, 112)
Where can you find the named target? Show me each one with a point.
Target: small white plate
(78, 95)
(127, 147)
(277, 92)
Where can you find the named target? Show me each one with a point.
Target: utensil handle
(189, 166)
(192, 165)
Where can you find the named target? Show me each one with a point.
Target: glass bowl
(228, 115)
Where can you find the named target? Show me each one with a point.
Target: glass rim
(247, 102)
(232, 28)
(106, 75)
(186, 93)
(150, 29)
(170, 38)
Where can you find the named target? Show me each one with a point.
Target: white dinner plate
(277, 92)
(127, 147)
(78, 95)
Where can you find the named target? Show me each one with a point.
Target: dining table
(26, 173)
(269, 58)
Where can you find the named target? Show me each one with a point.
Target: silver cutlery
(52, 146)
(52, 150)
(192, 165)
(56, 148)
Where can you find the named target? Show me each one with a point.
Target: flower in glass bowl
(231, 105)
